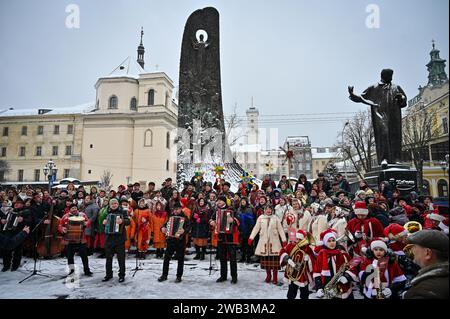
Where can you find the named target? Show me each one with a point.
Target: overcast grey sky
(293, 56)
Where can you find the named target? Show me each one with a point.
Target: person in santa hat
(299, 256)
(397, 236)
(270, 231)
(363, 228)
(437, 222)
(380, 275)
(329, 260)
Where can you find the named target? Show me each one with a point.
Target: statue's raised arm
(359, 99)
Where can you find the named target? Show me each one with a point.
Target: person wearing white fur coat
(296, 218)
(329, 220)
(271, 240)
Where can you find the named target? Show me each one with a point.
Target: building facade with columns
(129, 131)
(433, 101)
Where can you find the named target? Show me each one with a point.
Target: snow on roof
(128, 68)
(78, 109)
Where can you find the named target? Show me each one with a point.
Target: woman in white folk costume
(319, 221)
(270, 231)
(282, 207)
(299, 260)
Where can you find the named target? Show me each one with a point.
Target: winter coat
(270, 231)
(430, 283)
(247, 221)
(281, 210)
(113, 240)
(101, 217)
(143, 228)
(200, 222)
(158, 220)
(318, 225)
(307, 185)
(91, 212)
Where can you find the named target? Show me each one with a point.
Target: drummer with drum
(72, 226)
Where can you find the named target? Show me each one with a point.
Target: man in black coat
(136, 193)
(115, 242)
(430, 250)
(23, 217)
(227, 240)
(39, 209)
(167, 189)
(176, 243)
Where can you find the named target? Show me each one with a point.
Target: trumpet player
(381, 276)
(299, 260)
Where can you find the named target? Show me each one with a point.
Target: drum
(75, 229)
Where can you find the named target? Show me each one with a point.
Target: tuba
(412, 227)
(297, 255)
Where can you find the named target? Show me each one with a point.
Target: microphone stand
(137, 268)
(35, 271)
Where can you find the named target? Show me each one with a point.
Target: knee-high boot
(268, 276)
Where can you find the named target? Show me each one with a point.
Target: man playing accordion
(176, 229)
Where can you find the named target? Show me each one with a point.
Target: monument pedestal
(400, 176)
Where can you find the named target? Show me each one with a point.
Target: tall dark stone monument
(201, 140)
(200, 94)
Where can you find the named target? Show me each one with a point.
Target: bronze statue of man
(386, 101)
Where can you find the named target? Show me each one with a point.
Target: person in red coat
(75, 245)
(330, 259)
(380, 273)
(363, 228)
(300, 251)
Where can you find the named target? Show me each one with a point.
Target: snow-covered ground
(197, 283)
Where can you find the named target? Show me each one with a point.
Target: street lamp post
(50, 170)
(343, 149)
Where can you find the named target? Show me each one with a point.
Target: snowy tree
(105, 180)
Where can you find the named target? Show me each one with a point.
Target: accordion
(75, 229)
(222, 224)
(12, 220)
(174, 224)
(112, 227)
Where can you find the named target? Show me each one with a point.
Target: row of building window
(113, 102)
(37, 175)
(22, 151)
(40, 130)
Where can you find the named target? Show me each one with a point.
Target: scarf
(161, 213)
(323, 258)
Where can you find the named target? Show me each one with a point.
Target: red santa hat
(378, 243)
(326, 235)
(396, 230)
(300, 235)
(360, 208)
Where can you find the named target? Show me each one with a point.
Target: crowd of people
(379, 241)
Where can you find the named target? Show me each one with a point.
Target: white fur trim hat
(378, 243)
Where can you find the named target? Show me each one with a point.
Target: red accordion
(222, 224)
